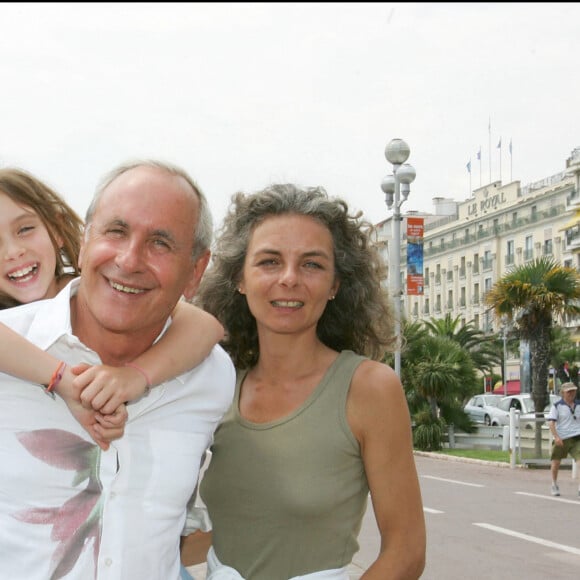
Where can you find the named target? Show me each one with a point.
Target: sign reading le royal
(489, 203)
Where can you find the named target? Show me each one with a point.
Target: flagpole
(489, 129)
(479, 158)
(511, 162)
(468, 167)
(499, 147)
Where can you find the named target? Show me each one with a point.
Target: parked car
(478, 407)
(500, 415)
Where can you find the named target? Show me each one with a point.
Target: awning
(572, 223)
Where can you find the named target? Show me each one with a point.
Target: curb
(436, 455)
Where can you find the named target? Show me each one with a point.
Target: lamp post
(397, 187)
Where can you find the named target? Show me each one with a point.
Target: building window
(476, 263)
(487, 260)
(548, 248)
(487, 285)
(476, 293)
(509, 258)
(529, 248)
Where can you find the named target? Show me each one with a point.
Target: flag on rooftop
(499, 143)
(469, 166)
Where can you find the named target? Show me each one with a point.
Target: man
(564, 422)
(68, 509)
(564, 373)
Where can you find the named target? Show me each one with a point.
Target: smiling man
(68, 508)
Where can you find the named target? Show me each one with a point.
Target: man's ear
(83, 244)
(196, 274)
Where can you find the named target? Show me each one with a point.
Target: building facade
(469, 245)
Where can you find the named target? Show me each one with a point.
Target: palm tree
(443, 373)
(534, 296)
(438, 372)
(481, 347)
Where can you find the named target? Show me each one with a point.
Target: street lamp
(397, 188)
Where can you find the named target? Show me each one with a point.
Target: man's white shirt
(69, 509)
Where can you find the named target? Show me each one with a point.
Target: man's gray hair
(204, 226)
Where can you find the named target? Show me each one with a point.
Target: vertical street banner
(415, 227)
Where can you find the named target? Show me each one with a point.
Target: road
(493, 522)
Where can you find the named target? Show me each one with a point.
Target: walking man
(564, 422)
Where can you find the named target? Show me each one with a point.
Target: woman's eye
(25, 229)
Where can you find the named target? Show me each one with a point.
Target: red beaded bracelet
(138, 368)
(55, 379)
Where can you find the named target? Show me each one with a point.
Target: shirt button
(108, 562)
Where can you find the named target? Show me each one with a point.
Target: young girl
(40, 238)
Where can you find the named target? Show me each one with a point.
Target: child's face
(27, 255)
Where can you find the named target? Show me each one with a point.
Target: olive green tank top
(287, 498)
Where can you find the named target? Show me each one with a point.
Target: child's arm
(21, 358)
(189, 339)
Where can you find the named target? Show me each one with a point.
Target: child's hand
(104, 388)
(109, 427)
(102, 428)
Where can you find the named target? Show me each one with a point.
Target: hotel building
(469, 245)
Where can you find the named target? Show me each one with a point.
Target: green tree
(443, 373)
(534, 296)
(438, 375)
(482, 348)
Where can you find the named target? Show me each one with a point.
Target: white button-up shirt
(69, 509)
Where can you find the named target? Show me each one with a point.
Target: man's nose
(130, 257)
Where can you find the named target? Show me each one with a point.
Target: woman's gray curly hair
(358, 319)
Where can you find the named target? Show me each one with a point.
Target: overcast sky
(245, 94)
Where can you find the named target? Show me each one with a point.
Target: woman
(317, 422)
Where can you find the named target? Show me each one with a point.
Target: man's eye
(160, 243)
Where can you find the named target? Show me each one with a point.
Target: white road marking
(432, 511)
(542, 542)
(453, 481)
(551, 498)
